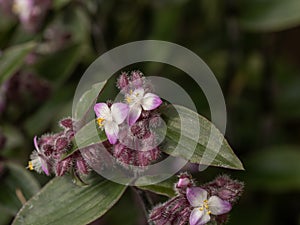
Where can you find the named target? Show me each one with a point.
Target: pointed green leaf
(165, 187)
(61, 202)
(208, 148)
(87, 100)
(269, 15)
(16, 181)
(12, 59)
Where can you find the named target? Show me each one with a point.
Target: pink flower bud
(123, 81)
(81, 165)
(66, 123)
(61, 144)
(137, 79)
(63, 166)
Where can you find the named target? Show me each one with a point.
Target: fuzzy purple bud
(175, 211)
(123, 81)
(225, 188)
(66, 123)
(183, 182)
(137, 79)
(61, 143)
(81, 165)
(63, 166)
(50, 148)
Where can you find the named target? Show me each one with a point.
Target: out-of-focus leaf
(269, 15)
(61, 202)
(33, 124)
(16, 183)
(276, 169)
(165, 187)
(182, 139)
(12, 59)
(58, 67)
(5, 218)
(58, 4)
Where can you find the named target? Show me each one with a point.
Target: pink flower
(204, 207)
(38, 160)
(139, 100)
(111, 118)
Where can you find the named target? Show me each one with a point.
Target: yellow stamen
(30, 165)
(201, 208)
(100, 121)
(128, 100)
(208, 212)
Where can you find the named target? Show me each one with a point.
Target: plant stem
(146, 201)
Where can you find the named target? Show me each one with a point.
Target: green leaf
(33, 124)
(5, 218)
(270, 15)
(58, 4)
(165, 187)
(88, 100)
(17, 181)
(61, 202)
(276, 169)
(182, 140)
(58, 66)
(12, 59)
(86, 137)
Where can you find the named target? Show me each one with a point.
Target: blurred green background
(252, 46)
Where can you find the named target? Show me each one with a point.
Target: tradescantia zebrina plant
(129, 131)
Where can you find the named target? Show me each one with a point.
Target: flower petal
(134, 114)
(198, 217)
(44, 166)
(196, 196)
(139, 92)
(119, 112)
(36, 144)
(217, 206)
(112, 131)
(102, 110)
(151, 101)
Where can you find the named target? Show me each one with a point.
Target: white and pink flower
(204, 207)
(110, 118)
(138, 100)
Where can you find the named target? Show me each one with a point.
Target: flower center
(30, 165)
(133, 97)
(205, 207)
(100, 121)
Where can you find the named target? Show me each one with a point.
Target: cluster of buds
(197, 205)
(225, 188)
(130, 125)
(22, 85)
(50, 150)
(31, 13)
